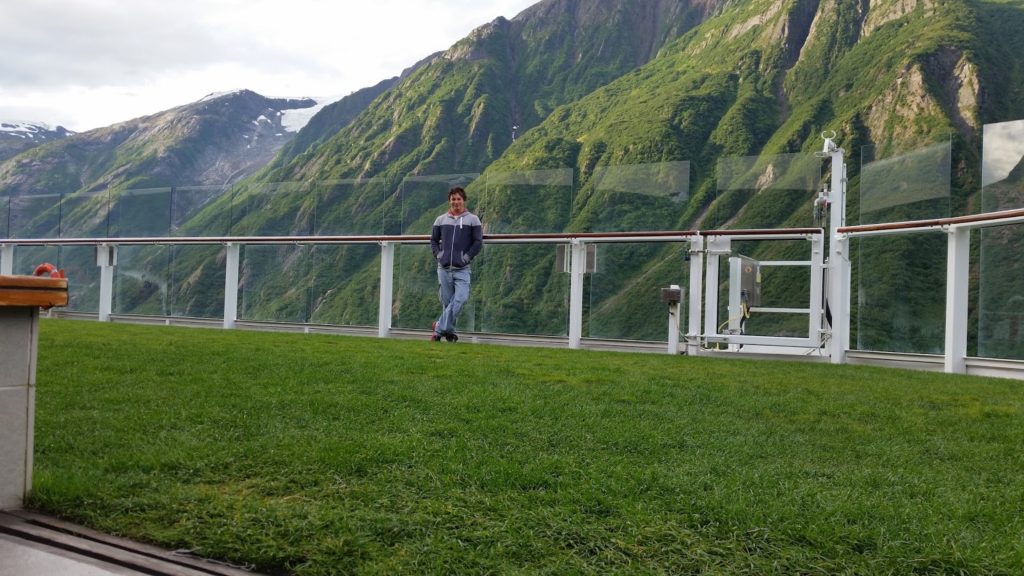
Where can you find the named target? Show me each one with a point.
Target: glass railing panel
(422, 198)
(900, 304)
(913, 185)
(200, 211)
(36, 216)
(142, 213)
(415, 299)
(524, 202)
(26, 258)
(85, 215)
(520, 289)
(5, 216)
(624, 296)
(141, 280)
(79, 264)
(354, 207)
(274, 283)
(765, 192)
(196, 281)
(273, 209)
(640, 197)
(1001, 278)
(345, 284)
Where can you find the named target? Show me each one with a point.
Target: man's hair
(457, 191)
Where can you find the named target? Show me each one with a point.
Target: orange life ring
(47, 269)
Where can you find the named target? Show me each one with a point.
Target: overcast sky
(85, 64)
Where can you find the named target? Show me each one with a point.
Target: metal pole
(7, 259)
(717, 245)
(673, 324)
(387, 276)
(106, 259)
(957, 270)
(231, 284)
(695, 294)
(838, 261)
(577, 267)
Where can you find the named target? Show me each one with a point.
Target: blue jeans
(454, 293)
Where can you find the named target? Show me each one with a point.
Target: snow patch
(294, 120)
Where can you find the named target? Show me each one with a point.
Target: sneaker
(451, 337)
(434, 337)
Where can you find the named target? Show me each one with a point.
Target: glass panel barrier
(273, 209)
(765, 192)
(529, 201)
(624, 290)
(274, 283)
(908, 186)
(1001, 282)
(5, 216)
(345, 284)
(350, 207)
(900, 304)
(79, 264)
(423, 198)
(140, 280)
(652, 196)
(85, 215)
(200, 211)
(26, 258)
(36, 216)
(196, 281)
(527, 292)
(140, 213)
(273, 280)
(624, 301)
(415, 302)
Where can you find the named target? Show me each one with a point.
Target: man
(457, 237)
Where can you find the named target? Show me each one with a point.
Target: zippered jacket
(456, 240)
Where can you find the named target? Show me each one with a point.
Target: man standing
(457, 237)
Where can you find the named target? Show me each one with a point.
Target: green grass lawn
(316, 454)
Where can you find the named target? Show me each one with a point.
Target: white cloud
(90, 63)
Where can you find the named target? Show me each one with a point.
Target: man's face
(456, 204)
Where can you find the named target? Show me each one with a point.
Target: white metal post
(839, 298)
(817, 269)
(7, 259)
(106, 259)
(695, 290)
(735, 294)
(957, 270)
(577, 268)
(673, 323)
(717, 246)
(387, 279)
(231, 284)
(839, 260)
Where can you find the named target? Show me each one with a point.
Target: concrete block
(14, 445)
(17, 341)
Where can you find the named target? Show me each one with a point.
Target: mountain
(16, 137)
(214, 141)
(456, 111)
(333, 117)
